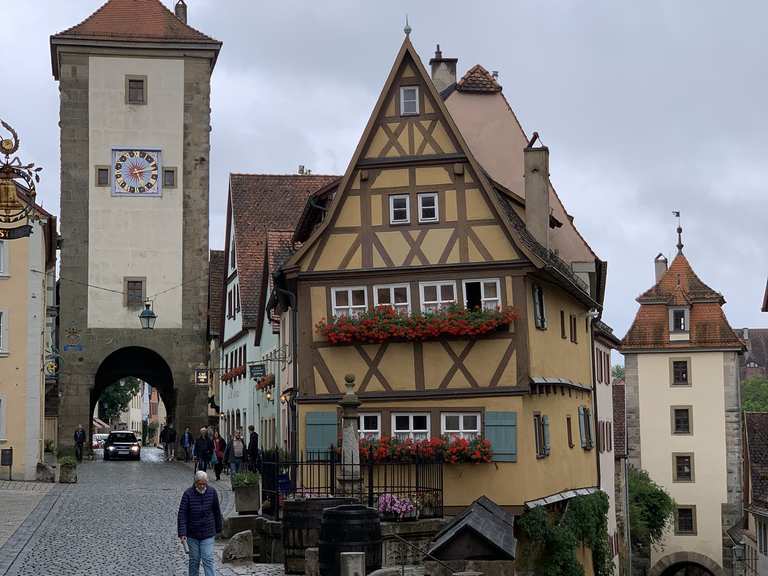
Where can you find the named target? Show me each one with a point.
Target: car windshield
(122, 437)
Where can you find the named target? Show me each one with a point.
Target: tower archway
(686, 564)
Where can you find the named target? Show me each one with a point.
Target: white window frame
(411, 433)
(352, 309)
(392, 198)
(439, 302)
(420, 196)
(4, 265)
(4, 321)
(461, 432)
(391, 288)
(483, 299)
(403, 112)
(369, 434)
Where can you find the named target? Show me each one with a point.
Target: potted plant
(67, 470)
(246, 486)
(425, 504)
(395, 508)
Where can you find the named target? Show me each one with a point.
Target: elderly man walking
(198, 523)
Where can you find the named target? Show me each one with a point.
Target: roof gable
(478, 80)
(259, 203)
(680, 286)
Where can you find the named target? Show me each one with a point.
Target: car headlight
(134, 448)
(111, 448)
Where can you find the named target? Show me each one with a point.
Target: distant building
(756, 492)
(683, 422)
(216, 276)
(754, 362)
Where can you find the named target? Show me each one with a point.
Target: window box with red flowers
(447, 450)
(233, 374)
(385, 324)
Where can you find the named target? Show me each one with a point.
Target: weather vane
(676, 213)
(407, 28)
(17, 182)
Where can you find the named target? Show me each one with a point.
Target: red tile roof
(679, 286)
(279, 249)
(217, 270)
(135, 20)
(756, 451)
(619, 419)
(260, 203)
(478, 79)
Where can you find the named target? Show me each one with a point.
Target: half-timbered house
(418, 225)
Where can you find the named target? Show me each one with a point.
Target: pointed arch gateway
(686, 564)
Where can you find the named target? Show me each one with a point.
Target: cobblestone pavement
(119, 519)
(17, 500)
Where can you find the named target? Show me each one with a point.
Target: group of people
(211, 450)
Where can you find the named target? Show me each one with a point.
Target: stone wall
(632, 409)
(732, 511)
(419, 534)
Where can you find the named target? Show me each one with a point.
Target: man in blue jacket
(199, 522)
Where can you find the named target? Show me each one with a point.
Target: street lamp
(147, 316)
(269, 394)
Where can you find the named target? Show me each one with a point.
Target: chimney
(181, 11)
(660, 265)
(443, 70)
(536, 162)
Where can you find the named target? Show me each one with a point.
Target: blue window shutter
(582, 434)
(501, 431)
(321, 430)
(545, 425)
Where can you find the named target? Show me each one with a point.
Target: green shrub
(65, 452)
(67, 461)
(650, 509)
(245, 479)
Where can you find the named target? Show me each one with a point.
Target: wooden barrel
(349, 528)
(301, 528)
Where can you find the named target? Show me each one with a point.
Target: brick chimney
(443, 70)
(660, 266)
(536, 161)
(181, 11)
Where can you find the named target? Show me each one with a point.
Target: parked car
(122, 445)
(98, 440)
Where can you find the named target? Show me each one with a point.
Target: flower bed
(385, 324)
(450, 451)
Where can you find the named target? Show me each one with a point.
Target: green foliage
(49, 445)
(553, 541)
(617, 372)
(754, 394)
(650, 509)
(62, 453)
(116, 397)
(67, 461)
(245, 479)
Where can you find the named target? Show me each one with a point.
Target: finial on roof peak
(407, 28)
(679, 232)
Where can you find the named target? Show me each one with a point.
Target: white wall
(135, 236)
(657, 444)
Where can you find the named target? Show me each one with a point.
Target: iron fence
(400, 490)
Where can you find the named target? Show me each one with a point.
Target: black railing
(391, 487)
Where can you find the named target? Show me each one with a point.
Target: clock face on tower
(136, 172)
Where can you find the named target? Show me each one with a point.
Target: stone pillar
(349, 478)
(352, 563)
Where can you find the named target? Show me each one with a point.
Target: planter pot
(67, 474)
(247, 499)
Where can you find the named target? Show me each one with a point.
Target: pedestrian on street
(187, 442)
(235, 453)
(219, 447)
(254, 457)
(199, 521)
(164, 440)
(203, 450)
(170, 442)
(79, 442)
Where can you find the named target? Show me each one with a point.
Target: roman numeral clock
(136, 172)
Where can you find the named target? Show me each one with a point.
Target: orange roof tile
(679, 286)
(147, 20)
(478, 79)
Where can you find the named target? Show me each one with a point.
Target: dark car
(122, 445)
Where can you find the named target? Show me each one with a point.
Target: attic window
(679, 320)
(409, 100)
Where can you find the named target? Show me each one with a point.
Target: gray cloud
(647, 107)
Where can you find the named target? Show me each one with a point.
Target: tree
(617, 372)
(650, 509)
(754, 394)
(116, 397)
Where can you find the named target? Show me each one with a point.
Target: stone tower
(134, 83)
(683, 418)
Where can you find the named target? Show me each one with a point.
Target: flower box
(233, 374)
(447, 450)
(385, 324)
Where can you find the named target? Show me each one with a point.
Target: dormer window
(678, 321)
(409, 100)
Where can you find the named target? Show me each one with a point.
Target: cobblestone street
(119, 519)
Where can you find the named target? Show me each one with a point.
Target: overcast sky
(647, 107)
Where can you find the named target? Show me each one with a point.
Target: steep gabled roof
(259, 203)
(278, 249)
(679, 286)
(479, 80)
(756, 451)
(217, 270)
(619, 419)
(757, 346)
